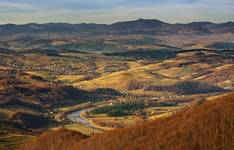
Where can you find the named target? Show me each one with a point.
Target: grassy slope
(205, 126)
(161, 73)
(122, 79)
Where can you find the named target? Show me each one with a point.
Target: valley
(107, 77)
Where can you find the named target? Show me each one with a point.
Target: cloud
(109, 11)
(14, 5)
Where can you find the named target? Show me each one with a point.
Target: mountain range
(137, 27)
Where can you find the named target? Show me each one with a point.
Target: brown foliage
(61, 139)
(207, 126)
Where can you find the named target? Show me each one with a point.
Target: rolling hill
(141, 34)
(206, 125)
(50, 71)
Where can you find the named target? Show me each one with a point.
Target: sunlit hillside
(208, 125)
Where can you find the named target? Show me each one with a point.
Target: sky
(110, 11)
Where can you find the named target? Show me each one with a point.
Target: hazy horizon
(110, 11)
(112, 22)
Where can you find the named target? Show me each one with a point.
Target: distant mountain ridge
(139, 26)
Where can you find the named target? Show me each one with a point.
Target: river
(75, 117)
